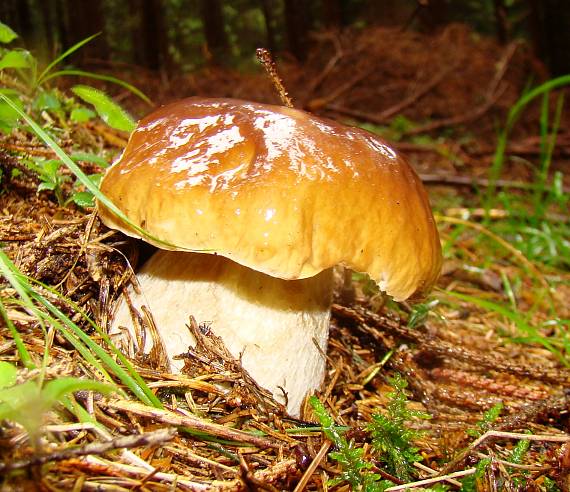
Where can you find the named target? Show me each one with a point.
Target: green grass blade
(532, 334)
(64, 55)
(73, 333)
(118, 370)
(512, 117)
(128, 366)
(25, 357)
(96, 76)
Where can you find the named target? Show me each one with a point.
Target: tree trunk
(85, 19)
(501, 22)
(549, 22)
(149, 35)
(214, 31)
(296, 13)
(267, 9)
(432, 15)
(16, 15)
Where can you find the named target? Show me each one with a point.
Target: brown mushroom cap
(278, 190)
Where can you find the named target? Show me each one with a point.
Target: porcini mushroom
(263, 201)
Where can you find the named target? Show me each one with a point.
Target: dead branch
(96, 448)
(190, 421)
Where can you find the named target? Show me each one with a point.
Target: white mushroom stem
(273, 323)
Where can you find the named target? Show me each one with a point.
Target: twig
(313, 466)
(494, 92)
(374, 325)
(96, 448)
(516, 465)
(265, 58)
(136, 471)
(484, 182)
(433, 472)
(427, 481)
(507, 435)
(385, 115)
(194, 423)
(497, 213)
(318, 103)
(318, 80)
(461, 118)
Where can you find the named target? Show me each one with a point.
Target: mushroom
(257, 204)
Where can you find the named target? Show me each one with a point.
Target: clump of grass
(392, 440)
(31, 299)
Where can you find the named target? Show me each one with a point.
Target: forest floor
(486, 357)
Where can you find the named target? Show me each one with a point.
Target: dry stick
(427, 481)
(518, 466)
(318, 103)
(373, 324)
(265, 58)
(313, 466)
(137, 471)
(508, 435)
(194, 423)
(317, 81)
(391, 111)
(474, 181)
(494, 92)
(461, 118)
(96, 448)
(521, 257)
(434, 473)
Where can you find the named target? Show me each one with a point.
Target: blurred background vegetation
(182, 35)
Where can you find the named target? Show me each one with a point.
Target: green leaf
(9, 117)
(47, 185)
(106, 78)
(16, 59)
(46, 101)
(42, 78)
(109, 111)
(6, 34)
(81, 115)
(83, 199)
(50, 168)
(8, 374)
(88, 157)
(56, 389)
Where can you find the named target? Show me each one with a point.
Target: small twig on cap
(265, 58)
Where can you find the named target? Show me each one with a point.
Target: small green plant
(391, 436)
(469, 483)
(391, 442)
(356, 471)
(487, 421)
(52, 178)
(548, 138)
(420, 313)
(27, 402)
(29, 84)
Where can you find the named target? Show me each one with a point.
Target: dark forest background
(182, 35)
